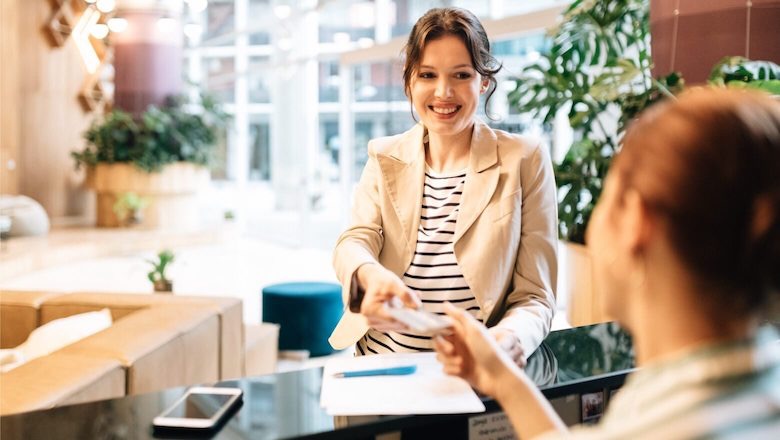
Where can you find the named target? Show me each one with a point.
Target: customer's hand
(471, 352)
(510, 343)
(383, 289)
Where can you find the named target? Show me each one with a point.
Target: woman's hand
(382, 287)
(508, 341)
(472, 353)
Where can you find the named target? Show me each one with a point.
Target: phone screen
(199, 406)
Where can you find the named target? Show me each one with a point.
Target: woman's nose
(443, 88)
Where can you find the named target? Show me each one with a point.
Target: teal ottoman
(306, 312)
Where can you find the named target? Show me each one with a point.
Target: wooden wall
(9, 98)
(50, 117)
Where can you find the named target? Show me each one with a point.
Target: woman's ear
(636, 227)
(485, 84)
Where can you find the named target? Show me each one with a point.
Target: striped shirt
(725, 391)
(434, 274)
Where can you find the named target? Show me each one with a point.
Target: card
(420, 321)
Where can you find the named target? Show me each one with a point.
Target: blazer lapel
(481, 178)
(403, 170)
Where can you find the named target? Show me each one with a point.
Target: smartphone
(199, 408)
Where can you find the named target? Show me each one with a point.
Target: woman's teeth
(445, 110)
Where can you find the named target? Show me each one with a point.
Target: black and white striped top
(434, 273)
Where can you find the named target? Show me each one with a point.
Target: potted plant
(162, 154)
(157, 274)
(598, 71)
(129, 208)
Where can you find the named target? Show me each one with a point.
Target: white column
(346, 138)
(294, 121)
(238, 166)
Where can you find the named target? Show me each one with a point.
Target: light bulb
(106, 6)
(117, 24)
(99, 31)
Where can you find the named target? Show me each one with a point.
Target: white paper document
(427, 391)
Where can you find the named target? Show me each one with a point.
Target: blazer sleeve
(531, 303)
(362, 241)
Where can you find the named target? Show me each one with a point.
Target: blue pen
(394, 371)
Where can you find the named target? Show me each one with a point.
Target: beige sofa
(156, 341)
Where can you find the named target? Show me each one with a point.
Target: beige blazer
(505, 236)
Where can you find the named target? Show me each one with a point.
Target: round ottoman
(306, 312)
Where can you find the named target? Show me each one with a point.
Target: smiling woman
(451, 210)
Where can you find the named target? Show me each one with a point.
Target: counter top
(572, 361)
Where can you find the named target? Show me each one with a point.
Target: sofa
(155, 342)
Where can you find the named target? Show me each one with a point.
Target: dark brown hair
(708, 164)
(461, 23)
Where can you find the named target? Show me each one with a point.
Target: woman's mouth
(445, 111)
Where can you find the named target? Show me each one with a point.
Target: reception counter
(577, 369)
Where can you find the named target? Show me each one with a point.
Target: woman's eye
(463, 75)
(426, 75)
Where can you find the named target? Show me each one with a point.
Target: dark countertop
(286, 405)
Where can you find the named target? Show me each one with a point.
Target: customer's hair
(708, 165)
(438, 22)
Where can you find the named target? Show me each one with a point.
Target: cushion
(27, 216)
(307, 313)
(56, 334)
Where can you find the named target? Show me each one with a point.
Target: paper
(493, 426)
(427, 391)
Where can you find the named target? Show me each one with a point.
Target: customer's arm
(473, 354)
(531, 303)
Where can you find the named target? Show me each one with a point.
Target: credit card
(421, 321)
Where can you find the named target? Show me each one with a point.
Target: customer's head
(697, 184)
(448, 62)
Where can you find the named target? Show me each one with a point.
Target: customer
(685, 241)
(451, 210)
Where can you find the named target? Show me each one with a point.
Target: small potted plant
(157, 274)
(129, 208)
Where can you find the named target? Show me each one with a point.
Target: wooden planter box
(584, 295)
(171, 193)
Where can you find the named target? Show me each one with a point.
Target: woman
(436, 203)
(686, 244)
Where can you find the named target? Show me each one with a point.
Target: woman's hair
(708, 164)
(439, 22)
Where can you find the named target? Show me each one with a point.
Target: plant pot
(171, 192)
(163, 286)
(583, 295)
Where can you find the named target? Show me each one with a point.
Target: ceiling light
(106, 6)
(117, 24)
(99, 31)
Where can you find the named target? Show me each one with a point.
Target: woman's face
(607, 246)
(445, 88)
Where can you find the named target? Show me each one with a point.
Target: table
(570, 365)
